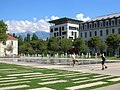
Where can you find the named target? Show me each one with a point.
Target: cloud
(54, 17)
(82, 17)
(15, 26)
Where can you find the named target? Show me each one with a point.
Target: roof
(105, 17)
(64, 20)
(9, 37)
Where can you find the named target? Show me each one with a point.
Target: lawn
(17, 77)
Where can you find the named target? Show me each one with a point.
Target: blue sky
(22, 10)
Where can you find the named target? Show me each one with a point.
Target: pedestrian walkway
(113, 69)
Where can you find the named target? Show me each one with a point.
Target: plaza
(22, 76)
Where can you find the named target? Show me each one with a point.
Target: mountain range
(40, 34)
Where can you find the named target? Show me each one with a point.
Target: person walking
(103, 61)
(73, 59)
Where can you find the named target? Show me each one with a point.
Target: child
(103, 61)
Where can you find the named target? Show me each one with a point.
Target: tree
(3, 29)
(93, 43)
(28, 37)
(79, 45)
(34, 37)
(65, 45)
(42, 45)
(26, 48)
(20, 40)
(53, 44)
(113, 42)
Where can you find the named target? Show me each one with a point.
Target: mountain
(40, 34)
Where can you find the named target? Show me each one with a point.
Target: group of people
(100, 54)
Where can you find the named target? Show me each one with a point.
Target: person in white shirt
(73, 59)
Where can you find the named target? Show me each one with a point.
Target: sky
(32, 15)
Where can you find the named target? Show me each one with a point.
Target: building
(100, 26)
(10, 47)
(64, 28)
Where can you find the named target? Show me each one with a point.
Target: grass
(69, 76)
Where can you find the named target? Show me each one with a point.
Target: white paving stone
(14, 83)
(52, 82)
(114, 79)
(80, 78)
(14, 87)
(98, 76)
(85, 85)
(48, 79)
(8, 78)
(43, 88)
(39, 75)
(92, 79)
(23, 74)
(8, 69)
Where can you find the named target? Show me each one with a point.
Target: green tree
(26, 48)
(79, 45)
(20, 40)
(3, 29)
(34, 37)
(65, 45)
(113, 42)
(42, 45)
(93, 43)
(53, 44)
(28, 37)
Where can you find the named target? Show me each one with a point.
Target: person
(103, 61)
(73, 59)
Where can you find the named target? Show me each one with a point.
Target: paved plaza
(111, 74)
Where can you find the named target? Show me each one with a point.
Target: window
(75, 34)
(118, 30)
(90, 34)
(73, 28)
(62, 28)
(90, 25)
(11, 42)
(95, 24)
(118, 21)
(101, 24)
(107, 32)
(95, 33)
(113, 22)
(51, 30)
(72, 33)
(81, 35)
(85, 34)
(81, 27)
(56, 29)
(64, 33)
(106, 23)
(113, 30)
(101, 33)
(85, 26)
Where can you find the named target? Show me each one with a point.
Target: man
(103, 61)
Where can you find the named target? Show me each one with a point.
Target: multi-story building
(100, 26)
(64, 28)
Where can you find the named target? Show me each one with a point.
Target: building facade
(10, 47)
(64, 28)
(100, 26)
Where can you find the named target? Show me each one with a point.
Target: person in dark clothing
(103, 61)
